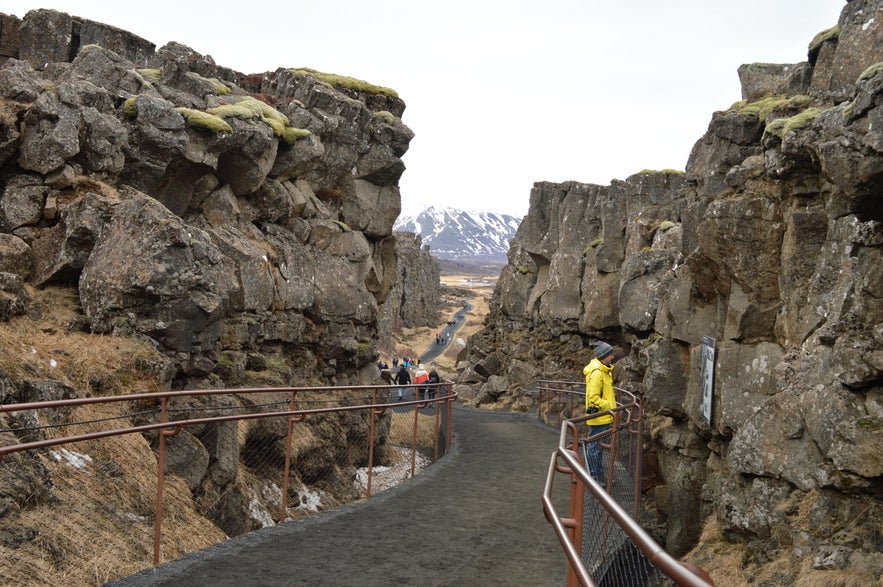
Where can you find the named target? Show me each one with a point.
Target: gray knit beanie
(602, 349)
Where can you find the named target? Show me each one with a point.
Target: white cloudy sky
(501, 93)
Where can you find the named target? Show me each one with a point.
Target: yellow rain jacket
(599, 391)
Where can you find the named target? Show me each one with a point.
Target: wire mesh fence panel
(197, 470)
(609, 554)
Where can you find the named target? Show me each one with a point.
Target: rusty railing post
(160, 480)
(283, 513)
(371, 429)
(577, 491)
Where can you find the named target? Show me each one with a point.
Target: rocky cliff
(770, 243)
(213, 213)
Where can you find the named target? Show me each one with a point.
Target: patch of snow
(74, 459)
(257, 507)
(310, 500)
(386, 477)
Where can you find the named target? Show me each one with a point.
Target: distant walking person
(600, 397)
(433, 378)
(402, 378)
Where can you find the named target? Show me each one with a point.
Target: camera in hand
(592, 410)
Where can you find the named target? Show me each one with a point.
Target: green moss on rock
(767, 105)
(248, 108)
(665, 171)
(345, 82)
(218, 85)
(871, 71)
(595, 243)
(151, 75)
(781, 126)
(204, 120)
(130, 107)
(832, 34)
(240, 111)
(387, 117)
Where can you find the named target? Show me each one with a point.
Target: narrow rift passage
(474, 518)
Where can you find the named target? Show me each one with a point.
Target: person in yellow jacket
(600, 397)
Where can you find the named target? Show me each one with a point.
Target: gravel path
(474, 518)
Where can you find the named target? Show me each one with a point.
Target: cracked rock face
(772, 244)
(182, 225)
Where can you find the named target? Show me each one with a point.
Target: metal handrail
(566, 460)
(168, 427)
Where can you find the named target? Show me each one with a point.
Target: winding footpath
(475, 518)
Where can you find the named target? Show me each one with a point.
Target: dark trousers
(594, 454)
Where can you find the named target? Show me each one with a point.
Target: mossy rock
(130, 107)
(248, 108)
(240, 111)
(831, 34)
(341, 81)
(151, 75)
(218, 85)
(594, 244)
(870, 72)
(663, 171)
(781, 126)
(385, 116)
(204, 120)
(289, 134)
(767, 105)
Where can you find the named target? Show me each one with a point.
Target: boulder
(151, 273)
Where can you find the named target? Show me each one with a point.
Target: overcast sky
(502, 94)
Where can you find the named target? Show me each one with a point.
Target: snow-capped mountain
(460, 235)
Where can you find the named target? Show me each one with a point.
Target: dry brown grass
(401, 430)
(414, 341)
(48, 344)
(725, 561)
(98, 524)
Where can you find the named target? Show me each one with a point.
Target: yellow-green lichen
(242, 111)
(345, 82)
(664, 171)
(291, 134)
(130, 107)
(218, 85)
(781, 126)
(387, 117)
(342, 225)
(832, 34)
(523, 269)
(151, 75)
(593, 244)
(667, 224)
(249, 108)
(204, 120)
(765, 106)
(870, 72)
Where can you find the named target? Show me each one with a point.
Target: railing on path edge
(603, 543)
(257, 426)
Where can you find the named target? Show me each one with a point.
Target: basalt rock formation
(241, 225)
(215, 213)
(771, 243)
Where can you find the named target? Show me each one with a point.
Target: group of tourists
(403, 377)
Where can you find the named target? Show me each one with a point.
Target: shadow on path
(473, 518)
